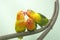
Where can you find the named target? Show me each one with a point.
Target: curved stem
(53, 20)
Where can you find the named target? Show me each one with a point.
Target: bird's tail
(20, 37)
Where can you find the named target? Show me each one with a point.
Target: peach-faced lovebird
(31, 25)
(20, 23)
(37, 17)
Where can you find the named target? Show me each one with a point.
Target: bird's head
(30, 13)
(20, 15)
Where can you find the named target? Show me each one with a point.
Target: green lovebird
(37, 17)
(20, 23)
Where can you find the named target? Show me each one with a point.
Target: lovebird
(40, 19)
(30, 25)
(20, 23)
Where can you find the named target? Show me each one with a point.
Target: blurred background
(9, 9)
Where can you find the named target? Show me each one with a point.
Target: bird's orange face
(20, 15)
(30, 24)
(28, 13)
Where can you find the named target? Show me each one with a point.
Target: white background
(9, 9)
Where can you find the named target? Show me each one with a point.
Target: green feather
(43, 21)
